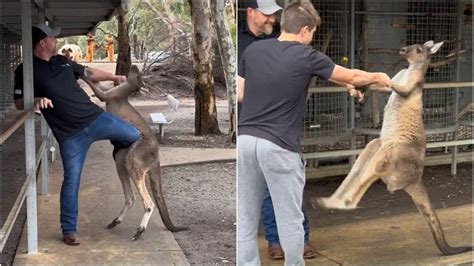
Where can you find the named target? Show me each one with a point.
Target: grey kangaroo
(398, 156)
(139, 159)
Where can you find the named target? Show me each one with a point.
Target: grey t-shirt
(277, 75)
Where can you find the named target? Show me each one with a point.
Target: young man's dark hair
(299, 14)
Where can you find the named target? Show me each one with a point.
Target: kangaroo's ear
(134, 68)
(429, 44)
(436, 47)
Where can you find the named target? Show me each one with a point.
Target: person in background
(90, 47)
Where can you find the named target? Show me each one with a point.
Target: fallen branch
(162, 59)
(443, 62)
(455, 52)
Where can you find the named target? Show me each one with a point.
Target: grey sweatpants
(262, 163)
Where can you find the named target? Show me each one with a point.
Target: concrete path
(101, 199)
(172, 156)
(400, 240)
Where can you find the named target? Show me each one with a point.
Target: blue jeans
(269, 222)
(73, 153)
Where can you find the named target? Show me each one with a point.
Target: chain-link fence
(10, 58)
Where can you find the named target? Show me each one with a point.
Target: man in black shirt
(76, 122)
(260, 25)
(272, 83)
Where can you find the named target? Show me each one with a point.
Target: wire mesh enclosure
(327, 112)
(384, 29)
(10, 58)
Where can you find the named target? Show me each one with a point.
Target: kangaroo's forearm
(380, 89)
(97, 91)
(402, 89)
(96, 75)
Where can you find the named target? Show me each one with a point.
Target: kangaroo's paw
(114, 223)
(139, 233)
(335, 203)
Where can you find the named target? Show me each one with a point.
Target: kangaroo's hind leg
(126, 185)
(138, 169)
(349, 194)
(417, 192)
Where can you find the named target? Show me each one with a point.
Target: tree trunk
(173, 31)
(124, 60)
(136, 46)
(205, 120)
(227, 55)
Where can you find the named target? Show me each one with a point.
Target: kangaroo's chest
(393, 104)
(402, 115)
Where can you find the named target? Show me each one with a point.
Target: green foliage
(230, 19)
(182, 10)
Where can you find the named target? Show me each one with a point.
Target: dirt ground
(203, 198)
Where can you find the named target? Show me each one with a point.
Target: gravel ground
(203, 198)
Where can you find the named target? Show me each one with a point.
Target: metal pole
(44, 131)
(390, 13)
(454, 164)
(351, 99)
(2, 87)
(44, 157)
(30, 154)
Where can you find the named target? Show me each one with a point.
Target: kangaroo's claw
(114, 223)
(139, 233)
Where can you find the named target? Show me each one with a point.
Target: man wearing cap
(272, 83)
(260, 25)
(75, 121)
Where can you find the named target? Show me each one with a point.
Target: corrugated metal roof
(74, 17)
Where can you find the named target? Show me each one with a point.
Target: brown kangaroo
(398, 156)
(139, 159)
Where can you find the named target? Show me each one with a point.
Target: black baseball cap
(267, 7)
(41, 31)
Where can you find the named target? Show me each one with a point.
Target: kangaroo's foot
(114, 223)
(139, 233)
(333, 203)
